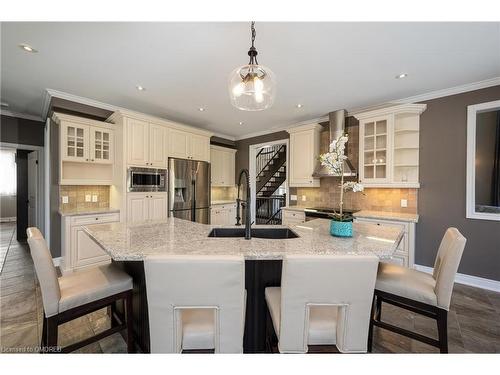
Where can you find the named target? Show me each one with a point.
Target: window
(8, 168)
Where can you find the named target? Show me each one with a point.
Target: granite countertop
(384, 215)
(223, 202)
(134, 242)
(88, 211)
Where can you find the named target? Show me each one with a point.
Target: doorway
(268, 180)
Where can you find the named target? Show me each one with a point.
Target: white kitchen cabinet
(146, 206)
(222, 162)
(199, 147)
(146, 143)
(389, 146)
(74, 142)
(186, 145)
(405, 252)
(292, 217)
(304, 152)
(223, 214)
(78, 249)
(101, 145)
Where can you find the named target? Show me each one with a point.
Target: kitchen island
(129, 244)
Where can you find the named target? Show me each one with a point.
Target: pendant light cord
(253, 52)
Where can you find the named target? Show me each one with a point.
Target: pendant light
(252, 87)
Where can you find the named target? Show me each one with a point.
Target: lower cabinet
(78, 249)
(405, 253)
(146, 206)
(223, 214)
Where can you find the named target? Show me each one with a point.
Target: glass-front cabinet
(101, 145)
(87, 144)
(389, 146)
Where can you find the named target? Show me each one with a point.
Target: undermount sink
(271, 233)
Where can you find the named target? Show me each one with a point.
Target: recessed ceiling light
(299, 105)
(27, 48)
(402, 75)
(201, 109)
(140, 88)
(241, 122)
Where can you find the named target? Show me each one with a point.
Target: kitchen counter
(88, 211)
(384, 215)
(134, 242)
(214, 203)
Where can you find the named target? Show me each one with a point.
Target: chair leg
(370, 329)
(442, 325)
(52, 330)
(378, 310)
(128, 320)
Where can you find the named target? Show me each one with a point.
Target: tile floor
(473, 327)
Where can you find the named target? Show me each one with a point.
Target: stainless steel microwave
(146, 179)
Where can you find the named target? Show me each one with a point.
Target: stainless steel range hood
(337, 128)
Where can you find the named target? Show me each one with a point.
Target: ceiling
(184, 66)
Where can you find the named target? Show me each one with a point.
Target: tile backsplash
(76, 196)
(223, 193)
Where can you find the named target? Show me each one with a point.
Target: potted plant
(341, 223)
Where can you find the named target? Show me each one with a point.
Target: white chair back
(446, 265)
(45, 271)
(346, 281)
(174, 283)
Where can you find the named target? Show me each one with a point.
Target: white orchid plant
(334, 162)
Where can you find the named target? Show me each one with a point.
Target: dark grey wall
(219, 141)
(441, 198)
(21, 131)
(242, 147)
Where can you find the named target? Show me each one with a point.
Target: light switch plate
(404, 202)
(304, 198)
(88, 198)
(293, 197)
(65, 199)
(94, 198)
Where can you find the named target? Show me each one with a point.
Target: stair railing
(265, 156)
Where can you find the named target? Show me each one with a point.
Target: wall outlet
(304, 198)
(293, 197)
(404, 202)
(87, 198)
(65, 199)
(94, 198)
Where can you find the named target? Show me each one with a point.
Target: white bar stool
(420, 292)
(196, 303)
(323, 300)
(80, 293)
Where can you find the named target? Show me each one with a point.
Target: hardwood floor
(473, 320)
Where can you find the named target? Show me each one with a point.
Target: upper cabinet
(86, 150)
(146, 143)
(187, 145)
(222, 162)
(304, 152)
(389, 146)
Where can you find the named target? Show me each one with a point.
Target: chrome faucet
(248, 216)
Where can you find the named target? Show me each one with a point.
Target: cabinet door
(303, 154)
(137, 142)
(75, 142)
(216, 167)
(101, 145)
(158, 206)
(157, 145)
(84, 250)
(375, 146)
(199, 147)
(178, 144)
(231, 215)
(228, 166)
(137, 207)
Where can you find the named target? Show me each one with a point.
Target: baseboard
(7, 219)
(461, 278)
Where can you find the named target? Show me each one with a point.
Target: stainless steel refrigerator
(189, 190)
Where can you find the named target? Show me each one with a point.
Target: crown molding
(416, 109)
(21, 115)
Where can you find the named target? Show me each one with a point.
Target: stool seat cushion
(406, 282)
(322, 319)
(89, 285)
(198, 329)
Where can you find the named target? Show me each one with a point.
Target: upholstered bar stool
(74, 295)
(196, 303)
(323, 300)
(422, 293)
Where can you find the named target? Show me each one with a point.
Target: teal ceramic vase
(341, 228)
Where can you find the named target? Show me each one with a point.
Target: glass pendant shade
(252, 87)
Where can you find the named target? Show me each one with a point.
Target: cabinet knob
(97, 218)
(86, 159)
(92, 159)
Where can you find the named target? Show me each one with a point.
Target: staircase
(271, 174)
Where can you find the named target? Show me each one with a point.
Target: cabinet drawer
(294, 215)
(95, 219)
